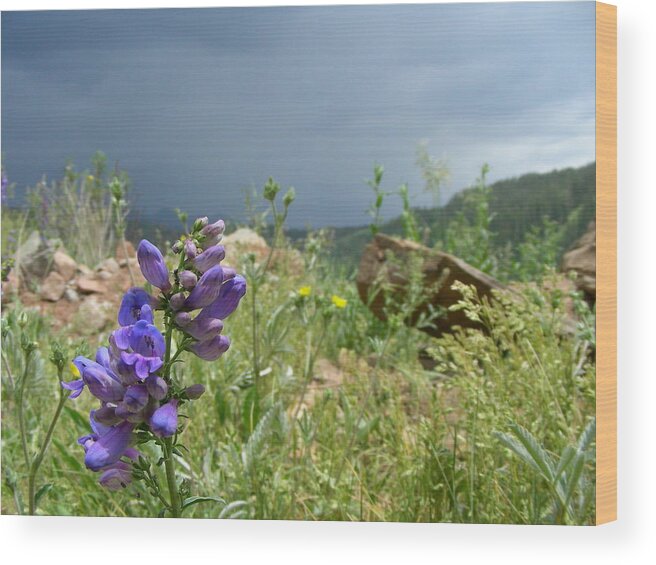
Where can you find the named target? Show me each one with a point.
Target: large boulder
(34, 257)
(241, 242)
(384, 264)
(53, 287)
(582, 259)
(64, 265)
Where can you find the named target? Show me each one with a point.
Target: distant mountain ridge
(517, 204)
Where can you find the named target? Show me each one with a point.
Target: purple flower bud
(213, 230)
(211, 349)
(182, 319)
(200, 223)
(210, 257)
(190, 249)
(194, 391)
(109, 448)
(136, 398)
(164, 421)
(153, 265)
(204, 328)
(101, 385)
(177, 301)
(207, 289)
(188, 279)
(232, 291)
(177, 247)
(157, 387)
(131, 310)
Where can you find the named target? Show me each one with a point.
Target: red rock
(53, 287)
(88, 285)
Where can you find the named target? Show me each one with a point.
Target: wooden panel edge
(606, 260)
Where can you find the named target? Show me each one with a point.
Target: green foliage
(322, 411)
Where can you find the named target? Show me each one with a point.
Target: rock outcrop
(582, 259)
(386, 260)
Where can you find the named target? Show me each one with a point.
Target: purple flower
(194, 391)
(232, 291)
(136, 398)
(157, 387)
(103, 386)
(105, 415)
(188, 279)
(204, 328)
(108, 448)
(177, 301)
(147, 346)
(214, 230)
(207, 289)
(190, 249)
(118, 476)
(164, 421)
(153, 265)
(211, 349)
(132, 307)
(76, 387)
(209, 258)
(182, 319)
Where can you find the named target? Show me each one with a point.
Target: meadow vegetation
(320, 410)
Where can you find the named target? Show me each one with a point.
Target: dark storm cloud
(199, 104)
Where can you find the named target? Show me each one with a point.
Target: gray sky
(199, 104)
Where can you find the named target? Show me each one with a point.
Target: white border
(630, 540)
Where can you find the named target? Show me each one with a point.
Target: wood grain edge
(606, 181)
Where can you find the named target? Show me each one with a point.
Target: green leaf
(588, 435)
(198, 499)
(45, 489)
(234, 510)
(527, 448)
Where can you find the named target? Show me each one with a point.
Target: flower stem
(34, 468)
(169, 465)
(21, 408)
(167, 443)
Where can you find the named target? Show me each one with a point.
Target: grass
(497, 432)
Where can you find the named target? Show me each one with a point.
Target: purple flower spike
(157, 387)
(153, 266)
(131, 310)
(136, 398)
(188, 279)
(207, 289)
(194, 391)
(109, 448)
(231, 293)
(204, 328)
(101, 384)
(164, 421)
(212, 349)
(210, 257)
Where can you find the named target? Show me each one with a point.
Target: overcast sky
(200, 104)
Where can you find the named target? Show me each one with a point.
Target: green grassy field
(343, 422)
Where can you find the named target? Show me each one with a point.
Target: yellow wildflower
(339, 301)
(305, 291)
